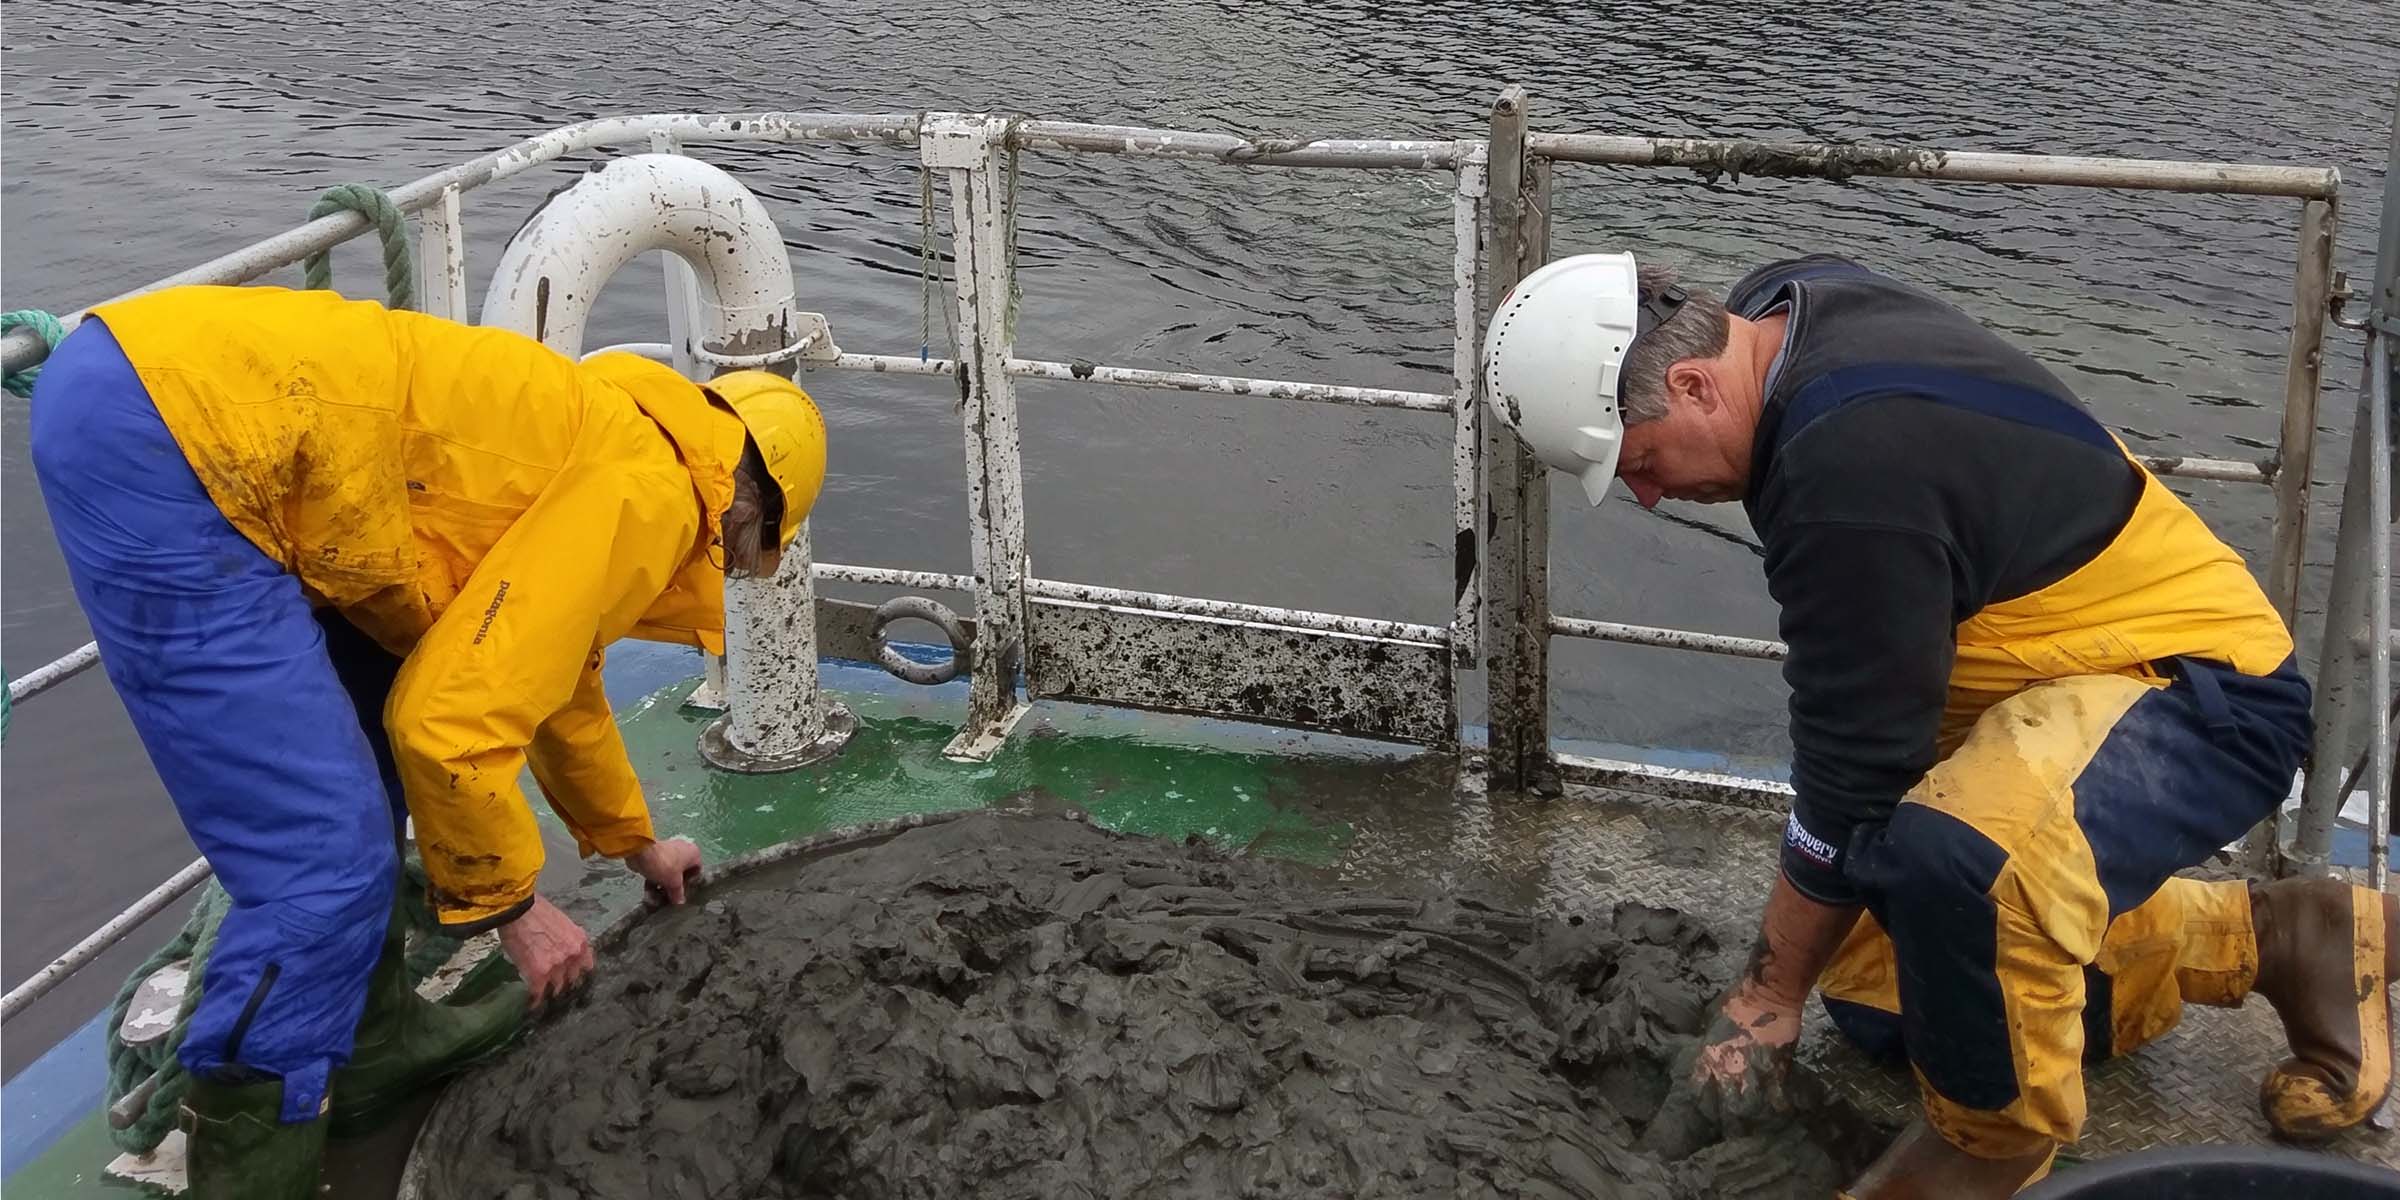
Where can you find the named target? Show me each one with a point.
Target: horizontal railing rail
(1846, 160)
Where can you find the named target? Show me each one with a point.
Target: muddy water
(141, 138)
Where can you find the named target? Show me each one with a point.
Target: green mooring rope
(399, 257)
(129, 1066)
(20, 383)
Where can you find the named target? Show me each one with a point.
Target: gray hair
(1697, 330)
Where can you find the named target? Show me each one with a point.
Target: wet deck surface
(2197, 1085)
(1361, 813)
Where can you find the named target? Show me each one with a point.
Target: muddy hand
(1737, 1076)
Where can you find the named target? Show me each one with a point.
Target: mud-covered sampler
(1009, 1006)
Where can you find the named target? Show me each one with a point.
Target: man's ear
(1689, 382)
(738, 531)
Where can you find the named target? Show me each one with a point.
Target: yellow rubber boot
(2326, 954)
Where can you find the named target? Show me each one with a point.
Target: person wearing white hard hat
(2028, 686)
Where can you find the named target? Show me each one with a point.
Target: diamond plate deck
(2197, 1085)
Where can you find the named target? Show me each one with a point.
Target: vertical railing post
(973, 151)
(2382, 391)
(2296, 454)
(442, 259)
(1466, 445)
(1516, 488)
(1533, 500)
(2304, 365)
(2380, 368)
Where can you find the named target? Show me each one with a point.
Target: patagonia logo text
(490, 611)
(1807, 843)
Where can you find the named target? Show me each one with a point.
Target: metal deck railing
(1031, 638)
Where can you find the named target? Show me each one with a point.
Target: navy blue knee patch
(1870, 1029)
(2099, 1013)
(1931, 876)
(2189, 768)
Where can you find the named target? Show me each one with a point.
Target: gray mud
(1033, 1007)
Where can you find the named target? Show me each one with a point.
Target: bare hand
(548, 948)
(670, 867)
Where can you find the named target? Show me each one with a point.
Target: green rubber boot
(237, 1147)
(490, 975)
(406, 1043)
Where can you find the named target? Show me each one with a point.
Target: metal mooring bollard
(776, 717)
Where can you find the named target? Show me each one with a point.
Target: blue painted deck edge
(52, 1093)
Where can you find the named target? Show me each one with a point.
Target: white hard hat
(1552, 359)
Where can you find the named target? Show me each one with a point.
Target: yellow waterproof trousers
(2023, 919)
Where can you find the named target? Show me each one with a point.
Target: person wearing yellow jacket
(340, 559)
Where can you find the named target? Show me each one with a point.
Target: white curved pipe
(544, 286)
(556, 265)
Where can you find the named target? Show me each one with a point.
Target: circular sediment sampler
(1011, 1006)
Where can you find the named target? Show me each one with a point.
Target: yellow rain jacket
(488, 509)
